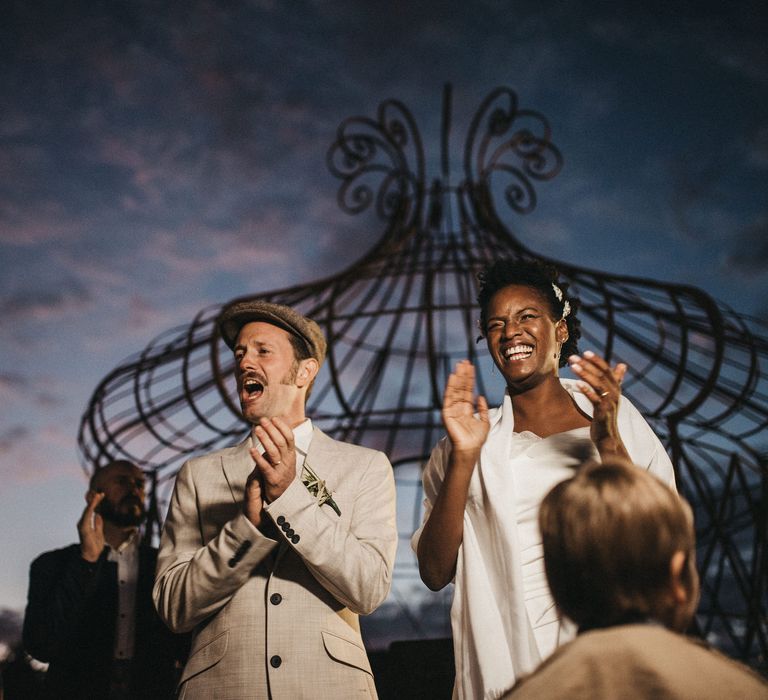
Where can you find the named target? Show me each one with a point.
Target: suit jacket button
(289, 533)
(275, 599)
(232, 562)
(285, 526)
(295, 539)
(280, 519)
(275, 661)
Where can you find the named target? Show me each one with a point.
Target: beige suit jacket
(277, 619)
(639, 662)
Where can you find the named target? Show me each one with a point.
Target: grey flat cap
(236, 315)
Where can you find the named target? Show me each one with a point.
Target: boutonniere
(316, 486)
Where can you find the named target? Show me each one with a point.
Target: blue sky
(156, 159)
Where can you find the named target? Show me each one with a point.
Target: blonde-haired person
(619, 553)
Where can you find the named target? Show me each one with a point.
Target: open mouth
(515, 353)
(253, 386)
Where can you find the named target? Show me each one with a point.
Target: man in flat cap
(271, 549)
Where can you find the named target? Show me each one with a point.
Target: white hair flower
(559, 295)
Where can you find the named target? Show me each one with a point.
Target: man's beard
(124, 515)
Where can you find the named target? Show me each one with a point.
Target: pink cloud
(30, 457)
(34, 222)
(36, 305)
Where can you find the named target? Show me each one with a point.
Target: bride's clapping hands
(465, 418)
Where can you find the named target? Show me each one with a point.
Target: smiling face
(523, 337)
(270, 381)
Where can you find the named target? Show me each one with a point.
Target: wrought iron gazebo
(399, 318)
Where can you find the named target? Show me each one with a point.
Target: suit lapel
(237, 465)
(321, 458)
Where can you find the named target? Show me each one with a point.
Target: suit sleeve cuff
(290, 511)
(293, 500)
(250, 544)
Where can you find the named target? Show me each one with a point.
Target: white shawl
(493, 638)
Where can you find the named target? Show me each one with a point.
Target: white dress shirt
(127, 558)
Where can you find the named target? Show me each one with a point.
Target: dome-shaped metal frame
(400, 317)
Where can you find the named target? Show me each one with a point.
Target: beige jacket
(639, 662)
(277, 620)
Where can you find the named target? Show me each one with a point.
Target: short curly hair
(539, 276)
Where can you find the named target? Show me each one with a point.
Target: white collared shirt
(127, 558)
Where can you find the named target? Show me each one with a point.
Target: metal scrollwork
(514, 145)
(380, 162)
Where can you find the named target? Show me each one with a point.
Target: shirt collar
(302, 436)
(131, 541)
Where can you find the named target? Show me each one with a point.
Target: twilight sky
(157, 158)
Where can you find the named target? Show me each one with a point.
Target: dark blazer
(70, 623)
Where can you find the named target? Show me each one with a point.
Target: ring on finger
(605, 393)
